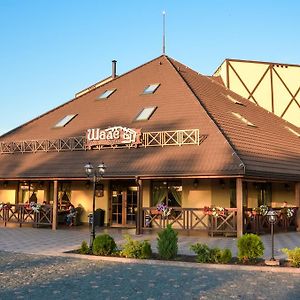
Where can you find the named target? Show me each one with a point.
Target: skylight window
(106, 94)
(145, 114)
(234, 100)
(293, 131)
(244, 120)
(151, 88)
(64, 121)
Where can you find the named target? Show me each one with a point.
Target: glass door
(131, 205)
(123, 204)
(116, 207)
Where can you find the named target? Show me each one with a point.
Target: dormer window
(234, 100)
(244, 120)
(106, 94)
(64, 121)
(151, 88)
(146, 113)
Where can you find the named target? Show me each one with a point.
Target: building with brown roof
(167, 135)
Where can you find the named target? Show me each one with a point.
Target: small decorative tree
(167, 243)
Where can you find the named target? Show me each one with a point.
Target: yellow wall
(251, 73)
(281, 193)
(252, 195)
(196, 197)
(146, 193)
(83, 197)
(8, 196)
(220, 193)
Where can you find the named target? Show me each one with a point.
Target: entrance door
(123, 205)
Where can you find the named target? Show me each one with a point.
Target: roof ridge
(206, 110)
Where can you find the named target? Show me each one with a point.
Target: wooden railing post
(55, 198)
(297, 194)
(139, 215)
(297, 203)
(239, 205)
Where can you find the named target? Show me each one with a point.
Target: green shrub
(293, 256)
(104, 244)
(211, 255)
(202, 251)
(84, 248)
(146, 251)
(250, 247)
(226, 256)
(167, 243)
(136, 249)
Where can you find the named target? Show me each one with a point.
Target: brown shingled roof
(184, 100)
(268, 149)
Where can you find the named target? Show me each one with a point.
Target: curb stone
(184, 264)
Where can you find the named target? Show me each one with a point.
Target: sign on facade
(110, 136)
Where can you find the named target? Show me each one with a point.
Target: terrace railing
(149, 139)
(192, 219)
(21, 214)
(257, 223)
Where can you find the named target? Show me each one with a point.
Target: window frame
(61, 124)
(154, 108)
(155, 85)
(101, 96)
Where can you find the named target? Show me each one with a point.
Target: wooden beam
(297, 194)
(54, 214)
(297, 203)
(239, 205)
(139, 215)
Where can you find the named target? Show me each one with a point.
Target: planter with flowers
(218, 221)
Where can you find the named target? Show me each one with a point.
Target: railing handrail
(149, 139)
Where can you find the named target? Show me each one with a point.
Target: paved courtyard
(45, 241)
(27, 276)
(32, 266)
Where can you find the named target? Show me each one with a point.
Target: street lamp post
(272, 219)
(95, 176)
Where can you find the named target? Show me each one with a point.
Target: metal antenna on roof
(164, 32)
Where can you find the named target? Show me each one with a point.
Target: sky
(51, 49)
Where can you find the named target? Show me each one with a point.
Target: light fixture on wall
(287, 187)
(88, 184)
(222, 183)
(196, 183)
(24, 185)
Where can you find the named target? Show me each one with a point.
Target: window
(167, 192)
(64, 121)
(151, 88)
(146, 113)
(244, 120)
(293, 131)
(264, 194)
(106, 94)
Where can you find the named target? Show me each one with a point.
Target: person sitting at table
(71, 214)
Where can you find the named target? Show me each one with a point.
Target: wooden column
(139, 215)
(54, 214)
(239, 205)
(297, 194)
(297, 203)
(17, 195)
